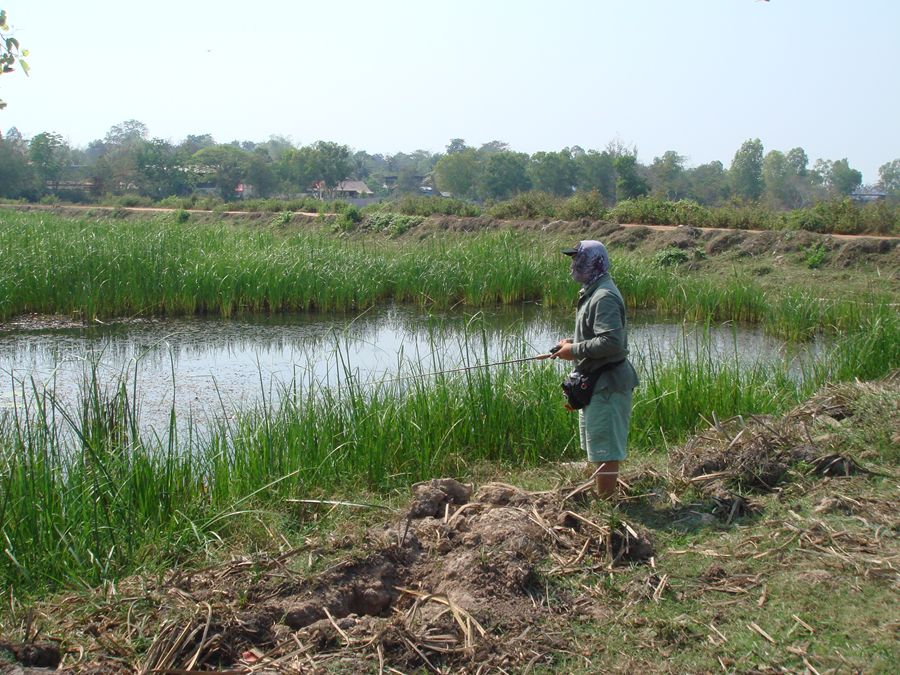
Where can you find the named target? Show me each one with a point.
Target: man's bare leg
(606, 476)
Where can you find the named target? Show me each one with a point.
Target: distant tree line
(126, 161)
(779, 179)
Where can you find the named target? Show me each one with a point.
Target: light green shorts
(604, 425)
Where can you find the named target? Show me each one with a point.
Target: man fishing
(603, 379)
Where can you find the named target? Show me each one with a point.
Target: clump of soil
(35, 654)
(435, 497)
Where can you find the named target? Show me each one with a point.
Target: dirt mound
(856, 251)
(458, 580)
(757, 453)
(629, 237)
(722, 241)
(685, 238)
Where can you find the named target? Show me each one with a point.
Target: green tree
(798, 160)
(276, 146)
(296, 168)
(777, 174)
(194, 142)
(553, 172)
(709, 183)
(331, 163)
(16, 140)
(596, 171)
(630, 184)
(746, 170)
(408, 180)
(115, 158)
(161, 169)
(48, 153)
(224, 165)
(129, 133)
(493, 146)
(821, 172)
(458, 173)
(843, 180)
(261, 171)
(503, 175)
(456, 146)
(16, 174)
(667, 178)
(10, 51)
(889, 176)
(322, 163)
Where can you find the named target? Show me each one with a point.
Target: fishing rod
(539, 357)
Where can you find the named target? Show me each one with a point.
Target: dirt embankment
(843, 250)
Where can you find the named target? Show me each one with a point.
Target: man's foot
(606, 479)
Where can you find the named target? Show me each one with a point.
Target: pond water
(214, 367)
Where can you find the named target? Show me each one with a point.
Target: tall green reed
(103, 268)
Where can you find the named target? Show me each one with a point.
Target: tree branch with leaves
(10, 51)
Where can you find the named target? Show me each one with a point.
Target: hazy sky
(695, 76)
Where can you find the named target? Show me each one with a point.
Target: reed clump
(159, 267)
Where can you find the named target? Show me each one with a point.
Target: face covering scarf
(590, 263)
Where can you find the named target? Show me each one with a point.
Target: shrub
(393, 224)
(349, 220)
(50, 200)
(583, 205)
(207, 202)
(815, 256)
(527, 206)
(428, 206)
(283, 218)
(687, 212)
(669, 257)
(837, 215)
(645, 210)
(745, 216)
(181, 216)
(881, 218)
(173, 202)
(126, 201)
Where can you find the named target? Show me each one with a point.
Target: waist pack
(579, 387)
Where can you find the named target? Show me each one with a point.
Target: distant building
(867, 195)
(354, 189)
(75, 183)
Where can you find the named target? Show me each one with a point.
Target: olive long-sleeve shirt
(601, 336)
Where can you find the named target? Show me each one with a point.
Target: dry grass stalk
(759, 630)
